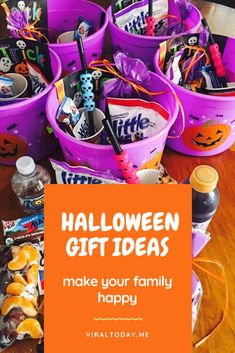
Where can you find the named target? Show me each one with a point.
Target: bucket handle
(182, 114)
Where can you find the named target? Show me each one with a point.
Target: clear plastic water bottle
(28, 184)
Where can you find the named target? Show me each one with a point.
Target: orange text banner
(118, 268)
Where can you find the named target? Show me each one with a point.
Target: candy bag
(66, 174)
(131, 69)
(136, 119)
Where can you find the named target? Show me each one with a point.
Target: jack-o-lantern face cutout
(22, 69)
(11, 148)
(206, 137)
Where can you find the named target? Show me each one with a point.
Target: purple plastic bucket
(62, 17)
(23, 125)
(144, 47)
(144, 154)
(209, 120)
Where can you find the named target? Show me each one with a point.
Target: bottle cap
(25, 165)
(204, 178)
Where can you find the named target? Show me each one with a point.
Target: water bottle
(205, 196)
(28, 184)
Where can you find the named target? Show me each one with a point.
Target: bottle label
(201, 227)
(33, 203)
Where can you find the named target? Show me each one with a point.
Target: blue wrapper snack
(23, 229)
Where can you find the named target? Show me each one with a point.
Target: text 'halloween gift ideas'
(118, 268)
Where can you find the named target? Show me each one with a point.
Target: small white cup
(66, 37)
(149, 176)
(98, 116)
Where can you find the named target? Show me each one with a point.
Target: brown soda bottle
(205, 196)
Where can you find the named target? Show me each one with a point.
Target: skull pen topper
(192, 40)
(86, 85)
(150, 20)
(96, 75)
(21, 5)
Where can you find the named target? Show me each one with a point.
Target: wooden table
(222, 244)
